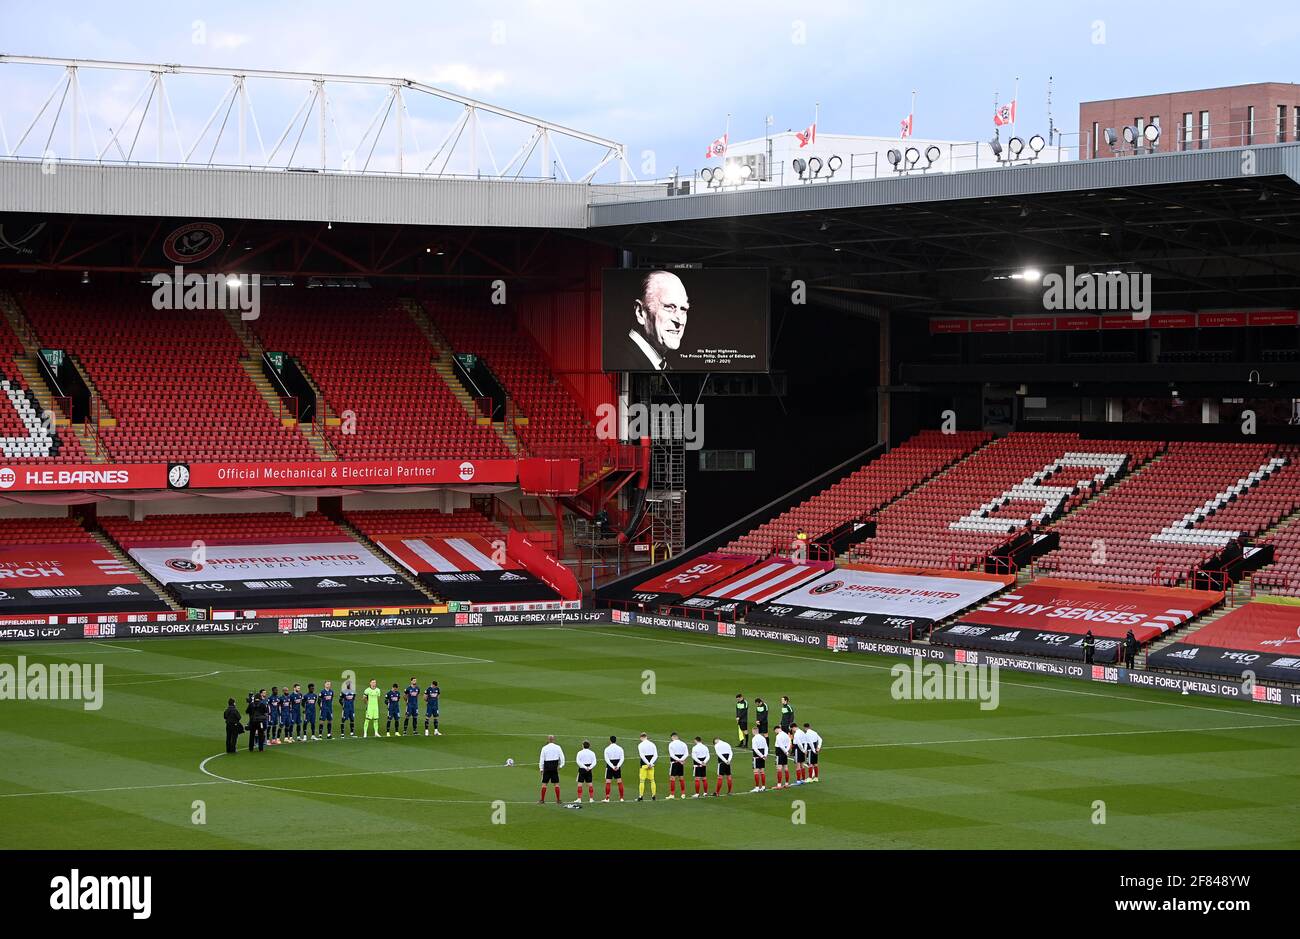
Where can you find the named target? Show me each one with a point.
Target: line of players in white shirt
(803, 746)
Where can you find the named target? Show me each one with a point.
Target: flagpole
(911, 117)
(817, 113)
(1014, 95)
(1051, 129)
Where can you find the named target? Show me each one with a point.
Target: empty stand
(24, 434)
(234, 528)
(1283, 575)
(1022, 480)
(556, 425)
(54, 565)
(374, 523)
(60, 530)
(368, 357)
(866, 490)
(170, 378)
(1178, 514)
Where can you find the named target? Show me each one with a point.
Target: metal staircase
(667, 493)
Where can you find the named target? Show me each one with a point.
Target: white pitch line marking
(159, 681)
(203, 768)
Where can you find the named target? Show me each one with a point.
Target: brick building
(1242, 115)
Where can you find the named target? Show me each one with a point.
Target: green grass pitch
(1173, 771)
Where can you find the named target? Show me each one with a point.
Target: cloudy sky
(660, 78)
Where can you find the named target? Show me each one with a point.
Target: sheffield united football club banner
(687, 578)
(300, 574)
(1050, 617)
(465, 567)
(69, 577)
(878, 601)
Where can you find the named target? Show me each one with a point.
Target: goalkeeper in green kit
(373, 694)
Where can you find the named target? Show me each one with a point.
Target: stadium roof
(1215, 229)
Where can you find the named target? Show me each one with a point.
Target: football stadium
(890, 492)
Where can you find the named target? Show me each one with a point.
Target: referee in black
(760, 717)
(787, 714)
(742, 720)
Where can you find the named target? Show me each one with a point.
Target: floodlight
(1130, 135)
(996, 146)
(932, 153)
(815, 164)
(1037, 143)
(1015, 145)
(1111, 139)
(1152, 133)
(834, 163)
(893, 156)
(912, 155)
(800, 166)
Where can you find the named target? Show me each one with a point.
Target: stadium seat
(556, 427)
(367, 356)
(171, 378)
(866, 490)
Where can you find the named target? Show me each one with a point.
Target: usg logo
(467, 471)
(7, 477)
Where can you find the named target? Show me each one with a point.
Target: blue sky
(661, 78)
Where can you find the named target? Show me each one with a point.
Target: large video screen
(685, 320)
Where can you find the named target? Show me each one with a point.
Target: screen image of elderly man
(661, 311)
